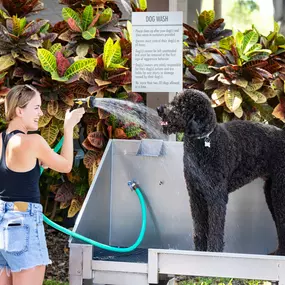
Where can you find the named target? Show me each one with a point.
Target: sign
(157, 52)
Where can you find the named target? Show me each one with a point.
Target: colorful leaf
(62, 63)
(218, 93)
(52, 107)
(48, 60)
(97, 139)
(279, 110)
(233, 99)
(83, 64)
(68, 13)
(249, 40)
(55, 47)
(105, 17)
(64, 193)
(87, 17)
(73, 25)
(89, 34)
(50, 133)
(6, 61)
(74, 208)
(91, 157)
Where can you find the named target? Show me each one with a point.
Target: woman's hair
(18, 96)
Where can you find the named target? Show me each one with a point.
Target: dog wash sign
(157, 51)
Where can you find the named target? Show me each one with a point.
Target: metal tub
(111, 214)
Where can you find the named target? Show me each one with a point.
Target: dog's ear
(192, 126)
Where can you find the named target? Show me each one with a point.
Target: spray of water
(137, 113)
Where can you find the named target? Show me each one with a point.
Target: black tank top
(18, 186)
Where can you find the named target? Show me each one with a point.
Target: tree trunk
(218, 8)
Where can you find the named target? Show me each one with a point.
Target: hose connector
(133, 185)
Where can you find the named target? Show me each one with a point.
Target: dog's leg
(278, 202)
(200, 219)
(216, 220)
(268, 198)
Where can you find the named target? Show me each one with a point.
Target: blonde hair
(18, 96)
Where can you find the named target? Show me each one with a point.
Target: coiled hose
(134, 187)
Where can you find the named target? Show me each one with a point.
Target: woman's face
(32, 112)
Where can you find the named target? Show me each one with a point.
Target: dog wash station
(111, 214)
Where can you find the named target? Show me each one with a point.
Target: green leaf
(6, 61)
(276, 27)
(90, 34)
(143, 4)
(23, 23)
(239, 112)
(55, 76)
(45, 28)
(199, 59)
(55, 47)
(130, 31)
(82, 50)
(254, 85)
(87, 17)
(240, 82)
(206, 18)
(112, 53)
(239, 41)
(219, 93)
(226, 43)
(48, 60)
(106, 16)
(83, 64)
(69, 13)
(4, 15)
(249, 40)
(203, 68)
(233, 99)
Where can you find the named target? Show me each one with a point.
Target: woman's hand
(73, 118)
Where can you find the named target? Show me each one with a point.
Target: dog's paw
(277, 252)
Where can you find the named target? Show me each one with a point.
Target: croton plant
(87, 53)
(242, 72)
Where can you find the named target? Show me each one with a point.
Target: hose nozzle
(88, 102)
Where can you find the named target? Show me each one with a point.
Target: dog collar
(207, 140)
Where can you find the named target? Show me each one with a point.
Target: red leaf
(64, 193)
(73, 26)
(126, 47)
(110, 131)
(121, 79)
(62, 63)
(120, 134)
(95, 19)
(279, 111)
(97, 139)
(91, 157)
(87, 144)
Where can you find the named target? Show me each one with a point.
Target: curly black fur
(239, 152)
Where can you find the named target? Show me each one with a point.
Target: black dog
(220, 158)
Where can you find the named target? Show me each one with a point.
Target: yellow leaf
(218, 93)
(233, 99)
(239, 112)
(50, 133)
(74, 208)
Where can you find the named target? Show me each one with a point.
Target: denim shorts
(22, 237)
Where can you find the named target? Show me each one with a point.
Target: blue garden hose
(134, 187)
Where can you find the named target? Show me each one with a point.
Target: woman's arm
(59, 162)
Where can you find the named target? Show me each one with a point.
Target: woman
(23, 250)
